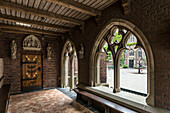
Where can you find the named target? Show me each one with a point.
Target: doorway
(131, 63)
(31, 72)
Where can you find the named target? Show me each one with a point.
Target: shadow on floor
(73, 95)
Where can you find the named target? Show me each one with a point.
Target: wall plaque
(31, 42)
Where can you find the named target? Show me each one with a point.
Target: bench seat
(106, 103)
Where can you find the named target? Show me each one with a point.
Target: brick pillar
(103, 67)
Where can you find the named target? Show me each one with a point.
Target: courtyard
(129, 79)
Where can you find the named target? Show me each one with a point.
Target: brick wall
(152, 17)
(103, 68)
(51, 69)
(12, 68)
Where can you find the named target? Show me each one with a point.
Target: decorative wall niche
(31, 42)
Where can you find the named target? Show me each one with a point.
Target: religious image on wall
(49, 51)
(31, 42)
(13, 47)
(81, 52)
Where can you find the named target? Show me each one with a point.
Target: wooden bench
(106, 103)
(4, 96)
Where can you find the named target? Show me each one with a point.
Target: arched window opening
(69, 66)
(133, 73)
(130, 50)
(106, 67)
(75, 71)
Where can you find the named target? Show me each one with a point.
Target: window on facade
(140, 53)
(122, 57)
(131, 39)
(131, 53)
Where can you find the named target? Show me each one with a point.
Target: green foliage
(109, 54)
(131, 44)
(117, 37)
(125, 66)
(106, 47)
(121, 60)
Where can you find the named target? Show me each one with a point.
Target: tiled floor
(46, 101)
(73, 95)
(67, 92)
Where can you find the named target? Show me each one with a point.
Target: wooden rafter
(77, 6)
(45, 14)
(31, 22)
(25, 32)
(27, 29)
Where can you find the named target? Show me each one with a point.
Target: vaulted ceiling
(50, 17)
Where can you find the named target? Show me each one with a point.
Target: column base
(150, 100)
(116, 90)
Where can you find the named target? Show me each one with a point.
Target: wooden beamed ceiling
(22, 28)
(51, 17)
(77, 6)
(45, 14)
(31, 22)
(25, 32)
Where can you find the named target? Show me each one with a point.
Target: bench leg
(89, 103)
(106, 109)
(78, 96)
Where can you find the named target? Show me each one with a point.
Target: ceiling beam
(27, 29)
(31, 22)
(77, 6)
(24, 32)
(41, 13)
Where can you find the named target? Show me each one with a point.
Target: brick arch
(146, 46)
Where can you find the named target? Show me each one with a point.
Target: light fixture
(23, 24)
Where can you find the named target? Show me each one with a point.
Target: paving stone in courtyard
(129, 79)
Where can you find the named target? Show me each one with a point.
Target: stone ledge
(124, 102)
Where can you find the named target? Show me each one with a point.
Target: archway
(69, 66)
(143, 42)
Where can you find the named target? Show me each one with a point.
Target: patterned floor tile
(47, 101)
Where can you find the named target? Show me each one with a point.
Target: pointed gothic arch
(68, 50)
(143, 42)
